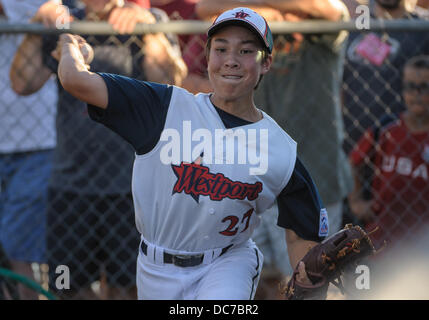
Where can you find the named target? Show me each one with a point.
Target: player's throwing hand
(77, 46)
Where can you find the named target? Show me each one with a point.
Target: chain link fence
(90, 210)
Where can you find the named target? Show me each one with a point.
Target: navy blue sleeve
(300, 205)
(136, 110)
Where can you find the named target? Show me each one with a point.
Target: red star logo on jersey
(196, 179)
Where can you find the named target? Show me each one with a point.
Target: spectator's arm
(141, 3)
(209, 9)
(125, 18)
(27, 72)
(162, 63)
(319, 9)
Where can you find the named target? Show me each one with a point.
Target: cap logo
(241, 15)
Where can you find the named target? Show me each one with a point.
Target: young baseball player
(206, 165)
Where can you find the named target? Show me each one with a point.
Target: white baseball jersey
(203, 194)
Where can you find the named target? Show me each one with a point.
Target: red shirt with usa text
(400, 185)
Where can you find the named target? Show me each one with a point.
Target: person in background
(372, 83)
(398, 152)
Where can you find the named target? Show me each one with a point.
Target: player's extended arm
(74, 73)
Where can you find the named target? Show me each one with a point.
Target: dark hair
(265, 55)
(418, 62)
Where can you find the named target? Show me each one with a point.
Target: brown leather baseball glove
(325, 263)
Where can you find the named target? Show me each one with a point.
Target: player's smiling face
(235, 62)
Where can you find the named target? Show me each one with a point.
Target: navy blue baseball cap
(247, 18)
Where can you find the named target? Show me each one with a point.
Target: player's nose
(231, 61)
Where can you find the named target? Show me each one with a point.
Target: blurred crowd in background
(357, 103)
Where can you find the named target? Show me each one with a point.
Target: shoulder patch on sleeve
(323, 223)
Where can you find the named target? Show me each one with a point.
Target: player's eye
(245, 51)
(220, 50)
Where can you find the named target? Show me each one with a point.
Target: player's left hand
(326, 262)
(302, 274)
(124, 19)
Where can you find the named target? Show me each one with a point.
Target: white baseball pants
(231, 276)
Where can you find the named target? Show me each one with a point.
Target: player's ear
(266, 64)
